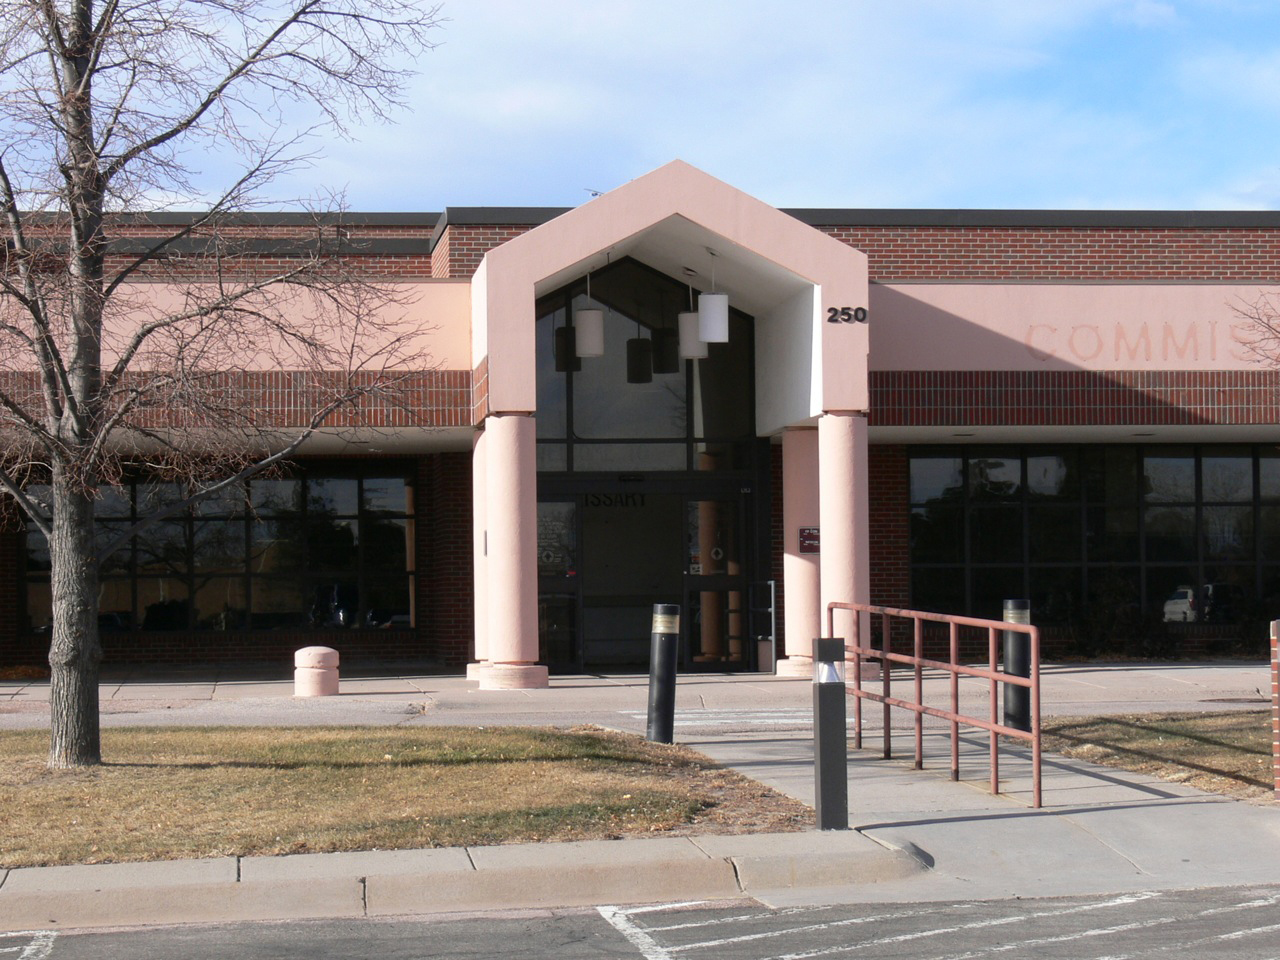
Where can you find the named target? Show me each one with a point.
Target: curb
(447, 880)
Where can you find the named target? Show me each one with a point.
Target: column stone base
(476, 668)
(513, 676)
(795, 666)
(870, 670)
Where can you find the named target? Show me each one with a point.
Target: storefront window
(322, 548)
(1185, 529)
(593, 416)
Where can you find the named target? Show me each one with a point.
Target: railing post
(1275, 702)
(993, 691)
(954, 646)
(917, 635)
(885, 685)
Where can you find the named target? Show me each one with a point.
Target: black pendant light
(562, 347)
(639, 359)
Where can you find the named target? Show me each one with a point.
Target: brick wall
(1075, 397)
(448, 624)
(285, 399)
(460, 248)
(1068, 254)
(890, 524)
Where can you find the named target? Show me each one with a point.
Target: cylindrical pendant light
(562, 346)
(713, 317)
(713, 310)
(639, 360)
(588, 329)
(692, 346)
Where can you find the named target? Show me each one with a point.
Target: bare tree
(190, 343)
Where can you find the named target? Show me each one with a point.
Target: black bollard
(664, 646)
(1017, 661)
(830, 741)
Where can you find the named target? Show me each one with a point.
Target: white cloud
(833, 102)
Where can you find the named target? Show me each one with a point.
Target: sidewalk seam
(4, 875)
(1097, 839)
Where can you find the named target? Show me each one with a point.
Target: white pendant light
(713, 311)
(692, 346)
(588, 328)
(713, 317)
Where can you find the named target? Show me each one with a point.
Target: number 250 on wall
(846, 314)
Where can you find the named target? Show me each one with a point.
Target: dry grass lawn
(177, 792)
(1227, 753)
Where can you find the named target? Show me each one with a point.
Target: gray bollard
(1017, 661)
(664, 646)
(830, 741)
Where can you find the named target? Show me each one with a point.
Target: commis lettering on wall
(1138, 343)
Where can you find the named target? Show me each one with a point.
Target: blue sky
(1135, 104)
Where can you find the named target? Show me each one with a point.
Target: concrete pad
(250, 690)
(1195, 841)
(781, 860)
(1027, 853)
(161, 691)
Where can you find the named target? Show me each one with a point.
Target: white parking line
(38, 946)
(711, 718)
(620, 921)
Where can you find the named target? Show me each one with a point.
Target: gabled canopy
(784, 272)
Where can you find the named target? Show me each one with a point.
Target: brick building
(931, 409)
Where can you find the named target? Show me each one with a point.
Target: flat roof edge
(875, 217)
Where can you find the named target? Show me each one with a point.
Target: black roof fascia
(492, 217)
(270, 246)
(1201, 219)
(284, 219)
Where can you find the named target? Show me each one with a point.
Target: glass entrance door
(605, 557)
(558, 586)
(630, 561)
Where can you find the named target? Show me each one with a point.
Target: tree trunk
(74, 653)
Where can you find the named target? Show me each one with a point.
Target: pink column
(801, 573)
(511, 514)
(479, 526)
(845, 514)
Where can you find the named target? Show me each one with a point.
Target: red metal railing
(918, 662)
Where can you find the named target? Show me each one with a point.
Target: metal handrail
(919, 662)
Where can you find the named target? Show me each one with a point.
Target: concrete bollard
(315, 672)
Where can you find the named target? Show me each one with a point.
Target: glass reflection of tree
(317, 540)
(987, 477)
(937, 523)
(386, 582)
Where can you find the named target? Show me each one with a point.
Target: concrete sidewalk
(917, 835)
